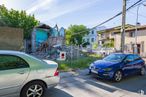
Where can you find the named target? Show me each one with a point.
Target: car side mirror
(127, 61)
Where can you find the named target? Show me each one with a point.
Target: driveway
(79, 84)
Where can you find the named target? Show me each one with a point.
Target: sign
(62, 56)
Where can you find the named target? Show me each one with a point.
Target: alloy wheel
(35, 91)
(118, 76)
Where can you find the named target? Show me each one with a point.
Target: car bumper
(104, 75)
(52, 81)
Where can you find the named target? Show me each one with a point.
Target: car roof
(125, 54)
(10, 52)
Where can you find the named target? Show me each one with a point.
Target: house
(130, 38)
(106, 36)
(45, 37)
(92, 37)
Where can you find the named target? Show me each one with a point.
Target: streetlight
(136, 27)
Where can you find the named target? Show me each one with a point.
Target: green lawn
(80, 63)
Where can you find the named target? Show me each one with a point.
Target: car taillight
(56, 73)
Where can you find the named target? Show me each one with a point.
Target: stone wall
(11, 38)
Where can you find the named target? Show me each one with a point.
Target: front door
(13, 72)
(129, 65)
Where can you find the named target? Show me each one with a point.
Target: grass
(80, 63)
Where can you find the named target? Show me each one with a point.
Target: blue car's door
(138, 63)
(129, 65)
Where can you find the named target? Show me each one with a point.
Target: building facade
(92, 37)
(132, 39)
(45, 37)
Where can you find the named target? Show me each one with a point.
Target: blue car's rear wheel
(118, 76)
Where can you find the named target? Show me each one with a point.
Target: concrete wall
(11, 38)
(141, 39)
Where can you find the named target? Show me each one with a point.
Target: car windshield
(115, 57)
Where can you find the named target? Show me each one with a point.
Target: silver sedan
(25, 75)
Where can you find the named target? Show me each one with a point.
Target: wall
(141, 37)
(11, 38)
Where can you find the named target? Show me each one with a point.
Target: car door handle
(21, 72)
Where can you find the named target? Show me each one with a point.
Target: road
(82, 85)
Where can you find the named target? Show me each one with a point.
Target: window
(142, 46)
(92, 39)
(132, 34)
(12, 62)
(92, 32)
(136, 57)
(115, 57)
(130, 58)
(88, 40)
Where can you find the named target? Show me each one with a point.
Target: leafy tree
(18, 19)
(95, 45)
(85, 44)
(109, 44)
(75, 34)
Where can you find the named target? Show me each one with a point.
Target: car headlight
(91, 64)
(107, 69)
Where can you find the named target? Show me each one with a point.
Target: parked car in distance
(116, 66)
(25, 75)
(104, 51)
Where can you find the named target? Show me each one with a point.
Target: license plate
(94, 71)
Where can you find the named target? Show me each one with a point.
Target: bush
(81, 63)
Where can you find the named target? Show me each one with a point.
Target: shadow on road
(88, 84)
(130, 83)
(56, 93)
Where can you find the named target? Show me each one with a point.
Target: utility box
(11, 38)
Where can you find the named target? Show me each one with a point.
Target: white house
(92, 37)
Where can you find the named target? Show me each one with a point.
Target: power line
(144, 16)
(135, 4)
(118, 14)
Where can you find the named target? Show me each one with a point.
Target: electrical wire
(120, 13)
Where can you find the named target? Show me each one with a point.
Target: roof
(128, 29)
(117, 28)
(44, 26)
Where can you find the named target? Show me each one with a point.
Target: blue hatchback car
(118, 65)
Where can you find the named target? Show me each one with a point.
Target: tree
(18, 19)
(109, 44)
(75, 34)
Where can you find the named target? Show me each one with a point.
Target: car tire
(33, 89)
(118, 76)
(143, 71)
(89, 72)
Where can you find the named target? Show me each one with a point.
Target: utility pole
(123, 26)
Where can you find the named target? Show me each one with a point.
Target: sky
(87, 12)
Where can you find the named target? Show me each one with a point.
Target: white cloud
(62, 9)
(40, 4)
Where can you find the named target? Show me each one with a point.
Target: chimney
(138, 24)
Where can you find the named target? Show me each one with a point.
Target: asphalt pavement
(80, 84)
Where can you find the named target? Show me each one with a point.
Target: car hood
(104, 64)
